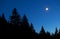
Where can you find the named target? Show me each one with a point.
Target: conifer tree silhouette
(42, 33)
(33, 34)
(3, 23)
(32, 28)
(32, 31)
(56, 34)
(15, 20)
(42, 30)
(3, 19)
(25, 24)
(56, 31)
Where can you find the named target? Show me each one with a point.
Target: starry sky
(35, 11)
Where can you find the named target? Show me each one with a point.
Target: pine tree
(42, 30)
(56, 31)
(56, 34)
(42, 33)
(3, 23)
(25, 20)
(3, 20)
(33, 34)
(25, 24)
(15, 18)
(32, 28)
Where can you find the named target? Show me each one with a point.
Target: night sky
(35, 11)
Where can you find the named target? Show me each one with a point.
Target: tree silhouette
(3, 19)
(25, 24)
(56, 34)
(32, 32)
(3, 23)
(15, 18)
(25, 20)
(32, 28)
(42, 33)
(42, 30)
(56, 31)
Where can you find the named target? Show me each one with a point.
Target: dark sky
(35, 11)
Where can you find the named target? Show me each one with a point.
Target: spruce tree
(15, 18)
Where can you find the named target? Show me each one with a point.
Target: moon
(46, 9)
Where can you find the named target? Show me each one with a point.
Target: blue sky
(35, 11)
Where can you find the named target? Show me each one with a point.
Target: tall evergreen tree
(42, 33)
(56, 31)
(42, 30)
(25, 23)
(3, 23)
(25, 20)
(34, 34)
(32, 28)
(3, 20)
(56, 34)
(15, 18)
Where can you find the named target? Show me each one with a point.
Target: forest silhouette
(25, 30)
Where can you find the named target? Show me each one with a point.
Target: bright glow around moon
(46, 9)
